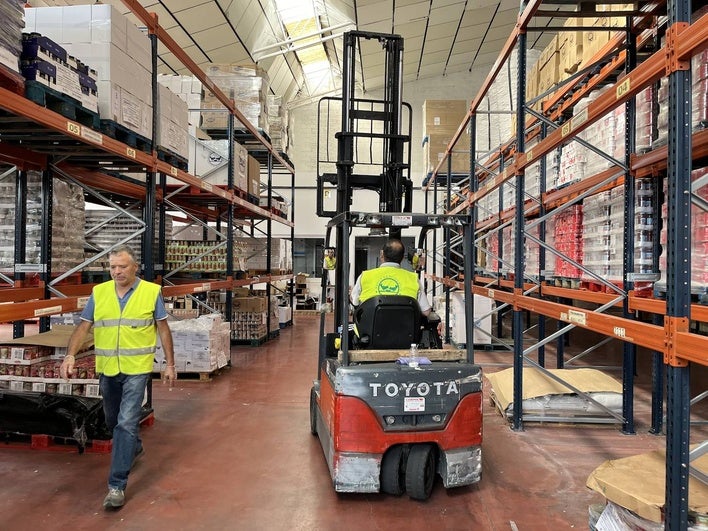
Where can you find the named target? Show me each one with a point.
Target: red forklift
(389, 417)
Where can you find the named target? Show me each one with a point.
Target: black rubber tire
(313, 411)
(420, 471)
(393, 470)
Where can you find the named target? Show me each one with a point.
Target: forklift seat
(387, 322)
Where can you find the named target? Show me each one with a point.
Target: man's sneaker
(114, 499)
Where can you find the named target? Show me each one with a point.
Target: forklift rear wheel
(393, 470)
(420, 471)
(313, 411)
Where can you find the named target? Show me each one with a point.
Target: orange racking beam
(691, 347)
(20, 294)
(22, 158)
(21, 106)
(197, 287)
(150, 20)
(31, 310)
(654, 162)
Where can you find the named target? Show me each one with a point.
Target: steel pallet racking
(620, 311)
(36, 138)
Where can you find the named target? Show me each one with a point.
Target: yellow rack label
(47, 311)
(623, 88)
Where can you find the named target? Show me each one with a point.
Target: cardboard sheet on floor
(637, 483)
(542, 394)
(58, 336)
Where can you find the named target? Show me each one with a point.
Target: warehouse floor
(237, 453)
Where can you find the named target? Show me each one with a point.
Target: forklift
(391, 409)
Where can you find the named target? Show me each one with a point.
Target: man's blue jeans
(122, 406)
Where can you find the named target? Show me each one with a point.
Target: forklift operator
(390, 279)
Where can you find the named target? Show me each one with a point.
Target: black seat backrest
(388, 322)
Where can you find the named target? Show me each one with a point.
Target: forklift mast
(372, 153)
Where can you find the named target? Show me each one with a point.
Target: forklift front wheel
(420, 471)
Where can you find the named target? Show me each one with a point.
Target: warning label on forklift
(413, 404)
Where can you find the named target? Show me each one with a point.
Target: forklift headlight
(390, 419)
(437, 418)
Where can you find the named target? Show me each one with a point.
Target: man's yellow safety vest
(388, 281)
(125, 342)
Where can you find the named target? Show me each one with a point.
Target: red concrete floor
(237, 453)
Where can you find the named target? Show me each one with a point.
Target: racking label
(623, 88)
(579, 119)
(529, 155)
(490, 293)
(47, 311)
(574, 316)
(73, 128)
(566, 129)
(131, 152)
(91, 135)
(30, 268)
(81, 302)
(619, 331)
(207, 186)
(401, 221)
(173, 171)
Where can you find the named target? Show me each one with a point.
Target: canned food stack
(36, 368)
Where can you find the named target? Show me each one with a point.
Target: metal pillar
(543, 168)
(629, 349)
(46, 238)
(678, 293)
(518, 315)
(18, 327)
(228, 314)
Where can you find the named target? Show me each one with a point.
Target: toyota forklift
(392, 410)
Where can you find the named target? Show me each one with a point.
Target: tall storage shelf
(652, 48)
(34, 138)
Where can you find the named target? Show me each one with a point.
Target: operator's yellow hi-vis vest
(125, 342)
(388, 281)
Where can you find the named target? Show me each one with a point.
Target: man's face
(123, 269)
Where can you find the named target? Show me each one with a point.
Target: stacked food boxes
(49, 64)
(247, 85)
(277, 123)
(189, 90)
(121, 54)
(251, 254)
(11, 14)
(32, 364)
(67, 212)
(197, 256)
(441, 118)
(200, 345)
(250, 317)
(172, 127)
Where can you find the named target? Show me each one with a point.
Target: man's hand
(66, 370)
(170, 375)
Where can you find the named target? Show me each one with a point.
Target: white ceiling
(440, 36)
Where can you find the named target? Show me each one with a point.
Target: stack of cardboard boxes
(250, 317)
(247, 85)
(441, 118)
(103, 38)
(200, 345)
(11, 14)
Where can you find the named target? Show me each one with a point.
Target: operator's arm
(356, 292)
(423, 301)
(75, 342)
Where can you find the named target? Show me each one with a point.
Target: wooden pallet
(172, 158)
(126, 136)
(254, 342)
(60, 103)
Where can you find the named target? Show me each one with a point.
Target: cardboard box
(250, 304)
(571, 50)
(443, 115)
(254, 177)
(434, 150)
(57, 337)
